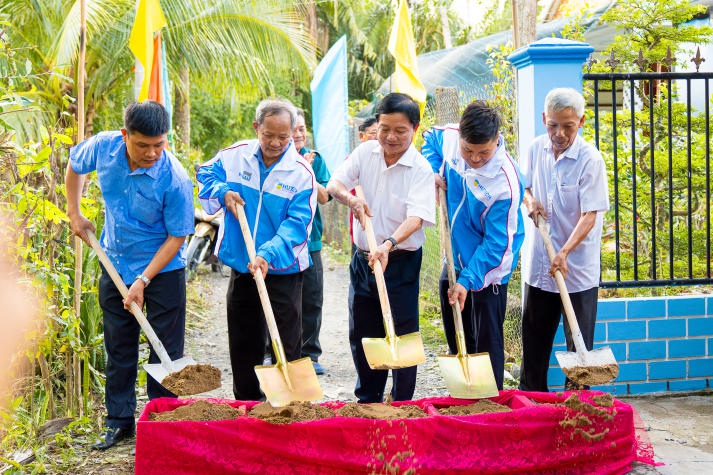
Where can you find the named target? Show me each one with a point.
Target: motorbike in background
(201, 244)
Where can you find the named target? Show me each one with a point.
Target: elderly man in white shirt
(565, 183)
(398, 187)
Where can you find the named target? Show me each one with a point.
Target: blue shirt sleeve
(212, 184)
(83, 156)
(432, 148)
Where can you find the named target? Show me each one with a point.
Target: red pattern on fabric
(528, 439)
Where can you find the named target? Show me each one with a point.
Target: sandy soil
(680, 428)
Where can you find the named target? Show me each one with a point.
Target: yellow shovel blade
(477, 383)
(297, 381)
(406, 351)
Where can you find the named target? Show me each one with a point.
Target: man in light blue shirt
(148, 200)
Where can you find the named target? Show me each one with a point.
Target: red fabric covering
(529, 439)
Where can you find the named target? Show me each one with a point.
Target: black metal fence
(654, 130)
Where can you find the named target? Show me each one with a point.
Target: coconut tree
(239, 43)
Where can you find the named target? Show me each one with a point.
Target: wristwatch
(393, 242)
(143, 279)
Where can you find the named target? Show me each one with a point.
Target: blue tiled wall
(661, 344)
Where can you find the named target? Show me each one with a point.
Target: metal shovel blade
(285, 383)
(594, 367)
(402, 352)
(468, 376)
(159, 371)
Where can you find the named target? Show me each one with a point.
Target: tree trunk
(182, 110)
(446, 29)
(524, 22)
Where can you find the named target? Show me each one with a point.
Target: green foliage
(501, 91)
(652, 27)
(657, 148)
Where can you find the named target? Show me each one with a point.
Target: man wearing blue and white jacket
(484, 195)
(277, 187)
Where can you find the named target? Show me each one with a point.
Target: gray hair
(270, 107)
(563, 98)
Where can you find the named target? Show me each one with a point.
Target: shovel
(283, 382)
(392, 352)
(584, 367)
(467, 376)
(167, 366)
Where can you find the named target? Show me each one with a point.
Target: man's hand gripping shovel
(167, 366)
(283, 382)
(583, 367)
(467, 376)
(394, 351)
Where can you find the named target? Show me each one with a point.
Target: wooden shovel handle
(378, 270)
(450, 266)
(564, 295)
(239, 213)
(119, 283)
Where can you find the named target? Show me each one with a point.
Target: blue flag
(330, 111)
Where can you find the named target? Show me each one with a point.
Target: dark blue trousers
(247, 328)
(312, 298)
(483, 316)
(165, 301)
(541, 315)
(365, 320)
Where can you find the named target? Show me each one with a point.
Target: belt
(395, 253)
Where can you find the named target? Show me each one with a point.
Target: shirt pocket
(569, 198)
(146, 210)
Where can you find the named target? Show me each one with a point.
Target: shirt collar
(407, 159)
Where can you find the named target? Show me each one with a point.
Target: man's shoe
(318, 368)
(111, 436)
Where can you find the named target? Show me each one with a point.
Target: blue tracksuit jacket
(487, 227)
(279, 210)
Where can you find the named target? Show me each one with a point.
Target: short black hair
(148, 118)
(398, 102)
(368, 122)
(479, 123)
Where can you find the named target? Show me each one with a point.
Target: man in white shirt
(565, 183)
(400, 198)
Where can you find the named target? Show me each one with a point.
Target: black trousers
(365, 320)
(247, 329)
(541, 315)
(312, 298)
(483, 317)
(165, 301)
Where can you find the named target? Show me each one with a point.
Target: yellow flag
(403, 48)
(149, 20)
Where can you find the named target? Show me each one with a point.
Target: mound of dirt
(483, 406)
(199, 411)
(381, 411)
(294, 412)
(193, 379)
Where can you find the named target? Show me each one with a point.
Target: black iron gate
(654, 130)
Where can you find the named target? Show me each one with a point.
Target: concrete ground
(680, 428)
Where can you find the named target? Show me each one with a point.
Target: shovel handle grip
(378, 271)
(138, 314)
(239, 212)
(564, 295)
(450, 268)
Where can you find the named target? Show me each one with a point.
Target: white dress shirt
(393, 193)
(575, 183)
